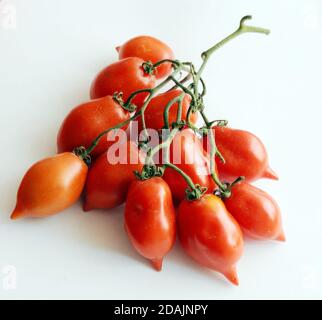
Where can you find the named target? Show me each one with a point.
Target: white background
(268, 85)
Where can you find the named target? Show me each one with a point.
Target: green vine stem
(178, 99)
(187, 78)
(152, 93)
(146, 103)
(184, 89)
(243, 28)
(175, 63)
(165, 144)
(189, 123)
(224, 189)
(179, 111)
(193, 191)
(118, 126)
(128, 102)
(212, 154)
(229, 186)
(150, 169)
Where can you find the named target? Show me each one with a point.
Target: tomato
(187, 153)
(86, 121)
(148, 49)
(108, 183)
(50, 186)
(210, 235)
(125, 76)
(150, 219)
(256, 212)
(244, 154)
(154, 111)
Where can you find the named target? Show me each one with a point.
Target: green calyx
(149, 171)
(128, 105)
(197, 104)
(195, 193)
(225, 194)
(179, 124)
(148, 67)
(81, 152)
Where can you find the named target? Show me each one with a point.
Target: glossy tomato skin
(210, 235)
(256, 212)
(154, 111)
(149, 49)
(244, 154)
(108, 183)
(125, 76)
(50, 186)
(150, 219)
(86, 121)
(187, 153)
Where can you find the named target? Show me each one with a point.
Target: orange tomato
(50, 186)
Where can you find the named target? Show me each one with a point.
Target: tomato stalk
(193, 191)
(184, 89)
(217, 123)
(224, 189)
(164, 144)
(212, 153)
(241, 30)
(127, 105)
(175, 63)
(171, 103)
(183, 81)
(150, 170)
(189, 123)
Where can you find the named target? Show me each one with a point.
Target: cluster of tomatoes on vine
(209, 188)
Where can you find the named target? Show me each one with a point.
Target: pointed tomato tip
(157, 264)
(270, 174)
(232, 276)
(117, 48)
(281, 237)
(16, 214)
(86, 207)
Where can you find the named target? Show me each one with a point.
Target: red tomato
(244, 153)
(148, 49)
(108, 183)
(154, 111)
(85, 122)
(186, 152)
(150, 219)
(210, 235)
(125, 76)
(256, 211)
(50, 186)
